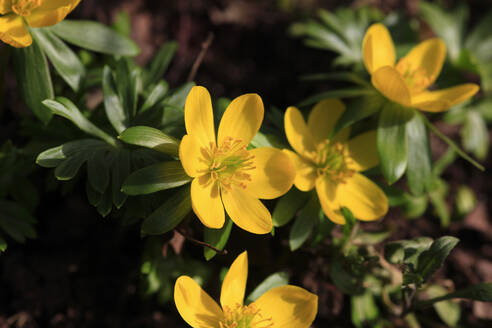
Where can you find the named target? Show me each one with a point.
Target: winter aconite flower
(284, 306)
(17, 15)
(226, 174)
(406, 82)
(331, 164)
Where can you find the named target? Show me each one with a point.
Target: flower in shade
(406, 82)
(284, 306)
(226, 174)
(331, 164)
(18, 15)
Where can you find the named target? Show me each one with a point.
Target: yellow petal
(242, 119)
(234, 285)
(191, 157)
(363, 152)
(298, 133)
(288, 307)
(378, 49)
(14, 32)
(246, 211)
(273, 175)
(323, 118)
(441, 100)
(194, 305)
(199, 116)
(5, 6)
(363, 197)
(305, 171)
(206, 203)
(427, 56)
(390, 83)
(326, 191)
(50, 12)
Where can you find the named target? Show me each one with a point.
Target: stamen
(248, 316)
(333, 161)
(228, 164)
(416, 79)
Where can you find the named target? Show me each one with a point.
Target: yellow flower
(225, 173)
(284, 306)
(331, 164)
(18, 14)
(406, 82)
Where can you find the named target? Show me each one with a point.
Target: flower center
(244, 317)
(229, 163)
(24, 7)
(332, 161)
(415, 78)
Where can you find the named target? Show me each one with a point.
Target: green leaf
(156, 177)
(431, 260)
(70, 166)
(120, 170)
(112, 103)
(480, 292)
(64, 60)
(287, 206)
(160, 62)
(16, 221)
(105, 203)
(342, 93)
(392, 140)
(3, 245)
(33, 79)
(96, 37)
(127, 84)
(274, 280)
(419, 167)
(65, 108)
(364, 309)
(406, 251)
(475, 135)
(342, 278)
(359, 109)
(122, 24)
(479, 37)
(157, 94)
(169, 214)
(151, 138)
(217, 238)
(98, 171)
(448, 311)
(438, 199)
(304, 223)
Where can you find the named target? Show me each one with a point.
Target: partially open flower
(406, 82)
(226, 174)
(284, 306)
(331, 164)
(19, 14)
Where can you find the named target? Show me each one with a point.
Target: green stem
(452, 144)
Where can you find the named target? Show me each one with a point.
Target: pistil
(229, 163)
(332, 162)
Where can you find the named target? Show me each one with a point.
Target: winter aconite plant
(331, 163)
(225, 173)
(284, 306)
(406, 82)
(316, 191)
